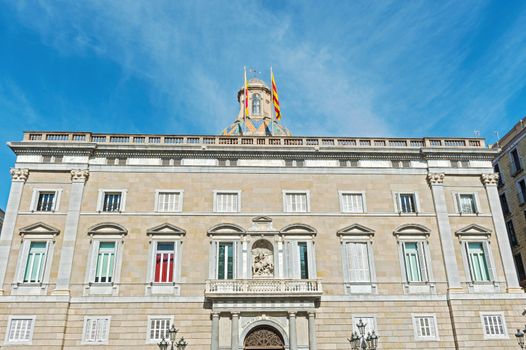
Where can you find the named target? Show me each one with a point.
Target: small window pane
(112, 202)
(227, 202)
(105, 262)
(296, 202)
(352, 203)
(359, 262)
(96, 330)
(20, 330)
(425, 327)
(46, 201)
(225, 261)
(412, 262)
(35, 262)
(304, 260)
(477, 261)
(159, 328)
(169, 201)
(493, 325)
(164, 262)
(467, 204)
(407, 203)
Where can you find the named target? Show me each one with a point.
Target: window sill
(484, 287)
(163, 289)
(29, 289)
(360, 288)
(419, 288)
(101, 289)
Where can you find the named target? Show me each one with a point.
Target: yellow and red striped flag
(275, 98)
(246, 94)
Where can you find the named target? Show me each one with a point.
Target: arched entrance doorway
(264, 337)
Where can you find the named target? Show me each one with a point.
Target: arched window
(256, 104)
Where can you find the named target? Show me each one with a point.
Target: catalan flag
(275, 98)
(246, 94)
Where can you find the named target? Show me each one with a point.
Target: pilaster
(436, 182)
(78, 180)
(490, 183)
(19, 177)
(215, 331)
(293, 344)
(312, 330)
(234, 343)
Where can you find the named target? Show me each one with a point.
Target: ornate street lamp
(172, 334)
(359, 341)
(520, 337)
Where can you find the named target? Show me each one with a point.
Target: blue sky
(355, 68)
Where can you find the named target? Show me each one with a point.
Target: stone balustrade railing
(263, 286)
(289, 141)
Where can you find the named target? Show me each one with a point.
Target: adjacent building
(255, 239)
(2, 214)
(509, 164)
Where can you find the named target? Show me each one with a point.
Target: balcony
(263, 287)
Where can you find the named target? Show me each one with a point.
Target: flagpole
(245, 98)
(271, 105)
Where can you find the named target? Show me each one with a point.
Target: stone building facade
(255, 242)
(509, 164)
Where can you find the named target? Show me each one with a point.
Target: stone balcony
(263, 287)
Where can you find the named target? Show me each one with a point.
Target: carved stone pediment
(261, 224)
(39, 229)
(355, 230)
(226, 229)
(166, 229)
(108, 228)
(473, 230)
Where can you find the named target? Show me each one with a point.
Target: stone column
(234, 341)
(11, 211)
(78, 179)
(215, 332)
(436, 181)
(490, 183)
(312, 331)
(292, 331)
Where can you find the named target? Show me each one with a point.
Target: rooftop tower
(260, 120)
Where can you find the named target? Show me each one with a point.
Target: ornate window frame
(476, 233)
(357, 233)
(12, 318)
(149, 326)
(38, 232)
(104, 232)
(238, 194)
(416, 327)
(36, 194)
(228, 233)
(164, 233)
(100, 200)
(342, 193)
(307, 198)
(456, 201)
(181, 201)
(419, 234)
(398, 204)
(292, 235)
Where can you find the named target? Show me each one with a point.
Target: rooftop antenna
(498, 137)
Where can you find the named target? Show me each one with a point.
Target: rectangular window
(477, 262)
(164, 262)
(496, 169)
(105, 262)
(158, 328)
(227, 202)
(407, 203)
(352, 203)
(96, 329)
(425, 327)
(493, 325)
(112, 202)
(225, 261)
(414, 262)
(466, 203)
(20, 329)
(504, 204)
(359, 262)
(169, 201)
(296, 202)
(515, 161)
(35, 263)
(303, 260)
(46, 201)
(522, 191)
(519, 265)
(511, 232)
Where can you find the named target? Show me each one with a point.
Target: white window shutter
(93, 262)
(398, 204)
(422, 261)
(459, 204)
(491, 268)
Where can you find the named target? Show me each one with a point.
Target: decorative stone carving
(262, 259)
(264, 337)
(19, 174)
(435, 178)
(489, 179)
(79, 175)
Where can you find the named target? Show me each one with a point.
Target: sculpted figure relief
(262, 261)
